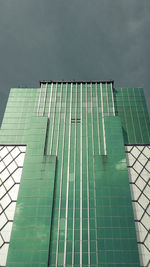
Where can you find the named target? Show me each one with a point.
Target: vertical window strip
(41, 110)
(88, 212)
(124, 111)
(94, 176)
(35, 108)
(107, 98)
(104, 137)
(74, 193)
(99, 148)
(39, 101)
(50, 100)
(131, 116)
(92, 121)
(138, 115)
(112, 99)
(58, 132)
(145, 118)
(81, 176)
(45, 97)
(68, 173)
(53, 121)
(61, 177)
(50, 114)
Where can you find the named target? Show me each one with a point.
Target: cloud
(99, 39)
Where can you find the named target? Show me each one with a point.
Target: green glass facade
(74, 204)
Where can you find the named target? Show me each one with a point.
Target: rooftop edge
(72, 81)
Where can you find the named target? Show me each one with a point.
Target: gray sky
(79, 40)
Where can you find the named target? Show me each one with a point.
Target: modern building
(78, 153)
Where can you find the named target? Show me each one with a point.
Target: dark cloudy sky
(74, 39)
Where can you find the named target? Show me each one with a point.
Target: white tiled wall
(138, 161)
(11, 164)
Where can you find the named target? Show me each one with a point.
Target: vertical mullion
(53, 122)
(74, 193)
(81, 175)
(87, 183)
(61, 177)
(68, 172)
(104, 138)
(99, 148)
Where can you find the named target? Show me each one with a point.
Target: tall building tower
(75, 176)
